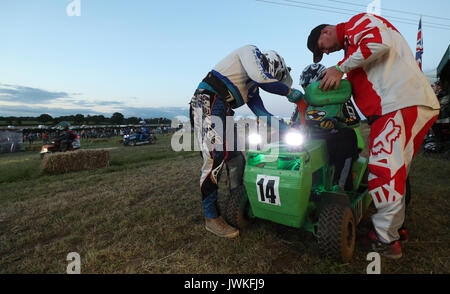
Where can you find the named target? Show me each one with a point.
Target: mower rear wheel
(337, 232)
(237, 208)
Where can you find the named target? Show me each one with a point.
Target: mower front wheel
(237, 208)
(337, 232)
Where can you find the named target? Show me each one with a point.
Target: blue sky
(145, 58)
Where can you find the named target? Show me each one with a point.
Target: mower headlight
(254, 139)
(294, 138)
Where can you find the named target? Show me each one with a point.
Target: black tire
(337, 232)
(133, 143)
(237, 207)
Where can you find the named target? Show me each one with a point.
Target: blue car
(139, 139)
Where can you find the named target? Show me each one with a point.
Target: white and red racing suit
(392, 92)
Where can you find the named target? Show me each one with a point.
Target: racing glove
(294, 96)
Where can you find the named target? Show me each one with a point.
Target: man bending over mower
(233, 82)
(395, 96)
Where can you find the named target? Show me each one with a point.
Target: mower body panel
(279, 183)
(290, 187)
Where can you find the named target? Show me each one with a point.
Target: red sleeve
(365, 42)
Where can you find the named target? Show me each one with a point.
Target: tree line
(116, 118)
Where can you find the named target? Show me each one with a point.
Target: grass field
(143, 214)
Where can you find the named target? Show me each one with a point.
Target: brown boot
(219, 227)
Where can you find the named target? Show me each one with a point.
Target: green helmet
(62, 126)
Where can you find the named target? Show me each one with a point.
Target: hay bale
(82, 159)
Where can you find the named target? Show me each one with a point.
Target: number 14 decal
(267, 188)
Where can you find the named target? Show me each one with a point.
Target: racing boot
(403, 235)
(219, 227)
(391, 250)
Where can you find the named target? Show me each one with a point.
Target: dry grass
(143, 215)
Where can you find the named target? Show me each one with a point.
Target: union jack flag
(419, 47)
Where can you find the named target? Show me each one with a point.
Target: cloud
(109, 103)
(29, 102)
(28, 95)
(142, 112)
(24, 110)
(152, 112)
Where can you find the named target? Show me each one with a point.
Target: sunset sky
(145, 58)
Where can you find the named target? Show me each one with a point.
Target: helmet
(312, 73)
(275, 65)
(62, 126)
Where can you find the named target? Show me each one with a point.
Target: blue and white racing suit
(233, 82)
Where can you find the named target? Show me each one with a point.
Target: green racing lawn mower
(290, 182)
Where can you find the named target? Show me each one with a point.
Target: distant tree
(158, 120)
(10, 119)
(44, 118)
(98, 119)
(117, 118)
(67, 118)
(165, 121)
(132, 120)
(79, 119)
(88, 119)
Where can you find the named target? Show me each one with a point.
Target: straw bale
(82, 159)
